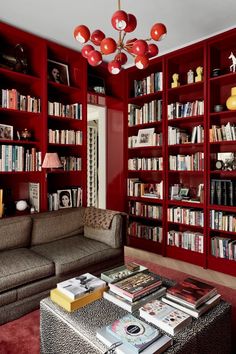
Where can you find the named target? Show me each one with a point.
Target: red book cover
(192, 290)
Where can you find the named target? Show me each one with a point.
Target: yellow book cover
(72, 305)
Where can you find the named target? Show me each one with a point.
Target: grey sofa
(39, 250)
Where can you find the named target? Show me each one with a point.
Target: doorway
(96, 153)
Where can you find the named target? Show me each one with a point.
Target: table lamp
(51, 161)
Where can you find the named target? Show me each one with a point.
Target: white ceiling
(187, 21)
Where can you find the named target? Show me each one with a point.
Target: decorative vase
(231, 101)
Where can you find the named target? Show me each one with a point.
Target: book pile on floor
(77, 292)
(192, 296)
(134, 290)
(131, 335)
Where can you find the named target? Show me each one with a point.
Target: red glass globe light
(114, 67)
(141, 62)
(86, 50)
(121, 58)
(82, 34)
(108, 46)
(158, 31)
(119, 20)
(97, 36)
(152, 50)
(132, 23)
(140, 47)
(94, 58)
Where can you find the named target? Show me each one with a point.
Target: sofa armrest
(114, 236)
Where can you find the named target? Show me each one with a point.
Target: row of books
(186, 216)
(181, 136)
(154, 140)
(145, 210)
(194, 162)
(148, 113)
(12, 99)
(74, 198)
(136, 188)
(73, 110)
(188, 109)
(223, 247)
(189, 240)
(154, 233)
(223, 192)
(14, 158)
(225, 132)
(220, 220)
(65, 136)
(149, 84)
(71, 163)
(145, 163)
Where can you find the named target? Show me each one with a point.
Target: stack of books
(164, 316)
(77, 292)
(131, 335)
(192, 296)
(135, 290)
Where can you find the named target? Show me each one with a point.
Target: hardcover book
(158, 346)
(164, 316)
(196, 313)
(78, 286)
(136, 286)
(134, 333)
(71, 305)
(133, 306)
(191, 292)
(122, 272)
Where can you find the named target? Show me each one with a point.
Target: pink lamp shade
(51, 160)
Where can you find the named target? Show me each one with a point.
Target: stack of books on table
(166, 317)
(131, 335)
(134, 291)
(77, 292)
(192, 296)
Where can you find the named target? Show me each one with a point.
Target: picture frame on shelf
(6, 132)
(64, 198)
(96, 84)
(184, 193)
(145, 137)
(58, 72)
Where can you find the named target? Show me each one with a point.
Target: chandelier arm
(119, 7)
(128, 52)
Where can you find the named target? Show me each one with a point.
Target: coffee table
(62, 332)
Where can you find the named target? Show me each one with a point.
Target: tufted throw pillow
(15, 232)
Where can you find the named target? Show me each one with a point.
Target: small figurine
(233, 66)
(190, 77)
(175, 82)
(199, 72)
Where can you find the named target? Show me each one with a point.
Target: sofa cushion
(52, 226)
(112, 237)
(36, 287)
(7, 297)
(76, 252)
(15, 232)
(22, 266)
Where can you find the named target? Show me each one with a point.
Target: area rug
(22, 335)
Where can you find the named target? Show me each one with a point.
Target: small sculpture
(175, 82)
(199, 72)
(190, 77)
(233, 65)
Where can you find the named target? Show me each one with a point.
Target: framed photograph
(145, 137)
(6, 132)
(58, 72)
(64, 198)
(183, 193)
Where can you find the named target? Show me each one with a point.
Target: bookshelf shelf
(188, 88)
(146, 200)
(186, 225)
(222, 208)
(18, 77)
(145, 98)
(185, 203)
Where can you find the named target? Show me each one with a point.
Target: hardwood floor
(193, 270)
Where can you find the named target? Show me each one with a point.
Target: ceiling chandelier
(124, 23)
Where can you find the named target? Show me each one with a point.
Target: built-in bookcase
(199, 203)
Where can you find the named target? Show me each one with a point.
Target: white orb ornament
(21, 205)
